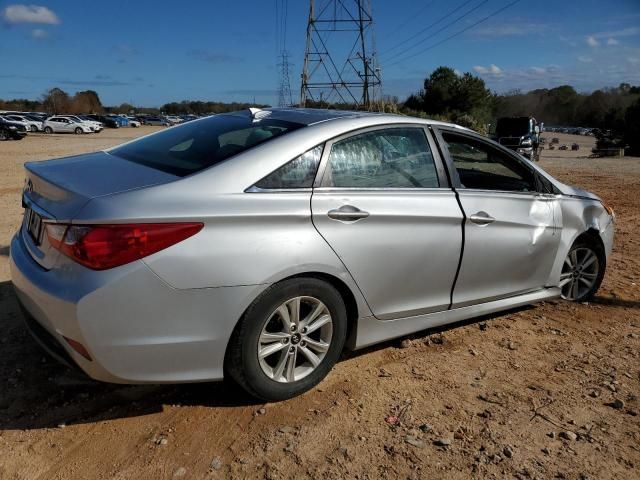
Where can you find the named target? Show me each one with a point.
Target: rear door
(512, 226)
(383, 203)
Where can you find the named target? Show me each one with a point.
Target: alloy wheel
(579, 273)
(295, 339)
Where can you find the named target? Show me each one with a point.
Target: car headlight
(11, 127)
(526, 142)
(608, 208)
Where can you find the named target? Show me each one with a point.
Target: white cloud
(633, 60)
(592, 41)
(490, 70)
(39, 34)
(612, 41)
(29, 14)
(585, 59)
(538, 70)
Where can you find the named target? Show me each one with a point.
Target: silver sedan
(257, 245)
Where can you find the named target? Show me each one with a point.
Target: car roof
(313, 116)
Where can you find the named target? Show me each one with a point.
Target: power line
(459, 32)
(431, 25)
(412, 17)
(447, 25)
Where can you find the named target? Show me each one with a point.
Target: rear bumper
(136, 328)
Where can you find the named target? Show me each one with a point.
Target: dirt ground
(525, 394)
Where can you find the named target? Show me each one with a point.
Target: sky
(152, 52)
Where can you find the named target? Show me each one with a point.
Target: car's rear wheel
(78, 131)
(288, 339)
(34, 128)
(582, 271)
(3, 135)
(48, 130)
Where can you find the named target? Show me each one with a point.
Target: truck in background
(521, 134)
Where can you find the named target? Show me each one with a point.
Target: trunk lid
(56, 190)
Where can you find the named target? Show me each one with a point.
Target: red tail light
(101, 247)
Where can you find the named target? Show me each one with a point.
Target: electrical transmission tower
(340, 65)
(285, 99)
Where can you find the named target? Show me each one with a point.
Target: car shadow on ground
(4, 251)
(38, 392)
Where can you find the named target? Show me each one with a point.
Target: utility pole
(332, 72)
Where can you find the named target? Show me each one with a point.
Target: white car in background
(60, 124)
(31, 125)
(96, 127)
(173, 119)
(133, 122)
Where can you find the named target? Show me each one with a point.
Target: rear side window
(298, 173)
(194, 146)
(389, 158)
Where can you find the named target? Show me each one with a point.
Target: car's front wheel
(34, 128)
(48, 130)
(79, 131)
(582, 271)
(288, 339)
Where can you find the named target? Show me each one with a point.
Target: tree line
(445, 95)
(465, 99)
(57, 101)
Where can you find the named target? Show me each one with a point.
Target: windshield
(194, 146)
(512, 127)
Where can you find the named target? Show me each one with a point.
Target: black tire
(582, 244)
(79, 131)
(241, 360)
(48, 130)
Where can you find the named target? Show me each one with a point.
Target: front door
(511, 227)
(384, 206)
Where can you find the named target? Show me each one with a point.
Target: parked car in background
(106, 121)
(173, 119)
(122, 120)
(94, 125)
(258, 244)
(31, 125)
(133, 122)
(59, 124)
(158, 121)
(11, 130)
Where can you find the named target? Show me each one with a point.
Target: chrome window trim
(255, 189)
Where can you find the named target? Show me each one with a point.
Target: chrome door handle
(347, 213)
(482, 218)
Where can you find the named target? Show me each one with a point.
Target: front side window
(298, 173)
(194, 146)
(389, 158)
(483, 167)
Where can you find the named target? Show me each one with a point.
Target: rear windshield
(194, 146)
